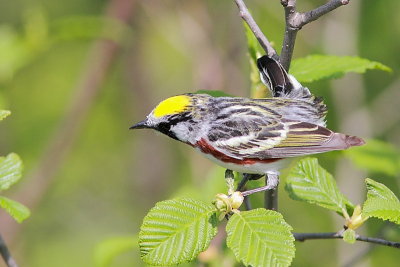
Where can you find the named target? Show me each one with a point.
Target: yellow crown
(172, 105)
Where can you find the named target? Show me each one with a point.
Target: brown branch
(309, 236)
(98, 64)
(296, 20)
(5, 253)
(314, 14)
(262, 39)
(271, 199)
(289, 38)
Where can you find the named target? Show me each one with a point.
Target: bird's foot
(247, 177)
(273, 181)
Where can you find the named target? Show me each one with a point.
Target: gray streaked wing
(243, 137)
(305, 138)
(276, 139)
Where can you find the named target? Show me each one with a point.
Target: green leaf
(376, 156)
(213, 93)
(318, 67)
(4, 114)
(260, 237)
(177, 230)
(18, 211)
(381, 202)
(10, 170)
(311, 183)
(349, 236)
(107, 250)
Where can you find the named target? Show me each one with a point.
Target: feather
(280, 83)
(279, 139)
(274, 76)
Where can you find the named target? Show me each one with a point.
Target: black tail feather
(274, 76)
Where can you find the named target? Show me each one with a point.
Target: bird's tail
(354, 141)
(280, 83)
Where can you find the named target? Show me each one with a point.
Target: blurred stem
(296, 20)
(5, 253)
(97, 67)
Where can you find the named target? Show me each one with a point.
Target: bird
(251, 136)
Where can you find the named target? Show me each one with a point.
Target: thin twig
(314, 14)
(295, 21)
(262, 39)
(5, 253)
(306, 236)
(332, 235)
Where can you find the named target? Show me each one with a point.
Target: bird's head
(172, 117)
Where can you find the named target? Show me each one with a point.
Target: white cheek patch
(181, 131)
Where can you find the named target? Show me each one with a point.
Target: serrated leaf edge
(282, 224)
(340, 200)
(210, 212)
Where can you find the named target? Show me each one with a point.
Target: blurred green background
(77, 74)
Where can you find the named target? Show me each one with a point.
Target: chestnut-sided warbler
(256, 136)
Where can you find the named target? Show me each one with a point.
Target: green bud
(356, 219)
(236, 200)
(349, 236)
(222, 203)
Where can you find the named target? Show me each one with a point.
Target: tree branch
(289, 38)
(271, 198)
(5, 253)
(314, 14)
(262, 40)
(295, 21)
(308, 236)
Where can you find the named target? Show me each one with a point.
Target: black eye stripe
(165, 127)
(174, 119)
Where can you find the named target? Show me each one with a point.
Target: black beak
(140, 125)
